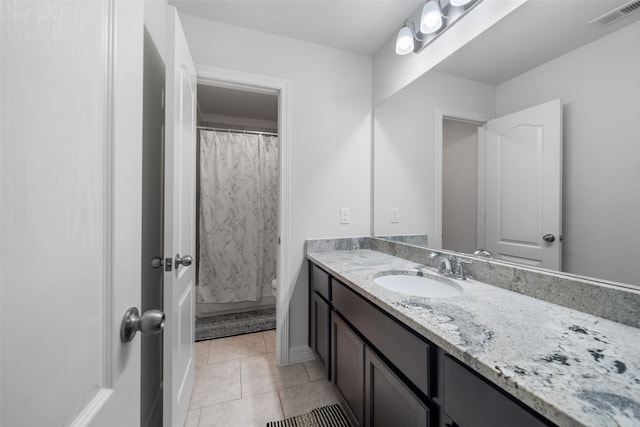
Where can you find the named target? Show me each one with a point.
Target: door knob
(185, 260)
(150, 323)
(549, 238)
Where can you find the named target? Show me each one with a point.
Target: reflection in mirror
(460, 185)
(591, 68)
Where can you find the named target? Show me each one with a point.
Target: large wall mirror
(433, 163)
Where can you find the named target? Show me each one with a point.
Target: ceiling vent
(617, 14)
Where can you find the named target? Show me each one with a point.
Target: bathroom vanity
(486, 357)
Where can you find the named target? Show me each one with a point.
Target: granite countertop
(573, 368)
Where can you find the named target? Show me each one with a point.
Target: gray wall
(404, 148)
(330, 136)
(459, 186)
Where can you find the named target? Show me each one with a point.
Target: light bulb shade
(404, 42)
(431, 19)
(459, 2)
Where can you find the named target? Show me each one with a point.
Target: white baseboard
(300, 353)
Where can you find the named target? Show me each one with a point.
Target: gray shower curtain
(238, 215)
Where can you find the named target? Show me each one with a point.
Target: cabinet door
(320, 319)
(471, 401)
(388, 401)
(347, 362)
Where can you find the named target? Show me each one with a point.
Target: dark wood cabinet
(320, 282)
(405, 350)
(320, 316)
(389, 402)
(385, 374)
(471, 401)
(347, 362)
(319, 320)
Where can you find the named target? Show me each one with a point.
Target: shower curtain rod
(255, 132)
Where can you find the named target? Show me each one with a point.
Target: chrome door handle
(185, 260)
(150, 323)
(549, 238)
(158, 262)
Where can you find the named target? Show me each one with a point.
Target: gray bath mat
(327, 416)
(227, 325)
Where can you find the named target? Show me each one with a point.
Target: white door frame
(262, 84)
(468, 116)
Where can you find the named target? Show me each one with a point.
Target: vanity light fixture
(457, 3)
(405, 41)
(431, 18)
(435, 17)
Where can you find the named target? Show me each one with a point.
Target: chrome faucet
(460, 275)
(444, 266)
(482, 253)
(445, 262)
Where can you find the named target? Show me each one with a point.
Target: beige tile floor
(239, 384)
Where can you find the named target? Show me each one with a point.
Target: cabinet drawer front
(320, 282)
(404, 350)
(471, 401)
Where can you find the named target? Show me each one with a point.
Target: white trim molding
(301, 353)
(231, 79)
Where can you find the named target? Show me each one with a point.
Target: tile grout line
(307, 371)
(281, 405)
(240, 369)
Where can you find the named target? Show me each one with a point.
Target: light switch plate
(395, 216)
(344, 216)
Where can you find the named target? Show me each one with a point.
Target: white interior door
(179, 220)
(524, 186)
(70, 162)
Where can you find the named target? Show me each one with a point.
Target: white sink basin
(421, 286)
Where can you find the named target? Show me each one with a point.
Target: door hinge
(168, 262)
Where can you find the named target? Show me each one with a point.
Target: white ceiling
(533, 34)
(361, 26)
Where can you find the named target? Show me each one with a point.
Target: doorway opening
(459, 166)
(152, 277)
(237, 197)
(240, 109)
(460, 181)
